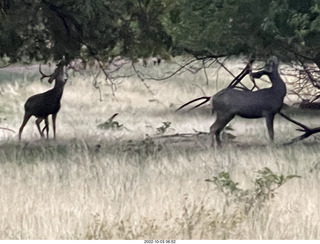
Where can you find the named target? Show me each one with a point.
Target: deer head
(59, 72)
(271, 64)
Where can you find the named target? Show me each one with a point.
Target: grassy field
(95, 183)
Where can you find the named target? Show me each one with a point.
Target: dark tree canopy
(49, 29)
(287, 28)
(44, 29)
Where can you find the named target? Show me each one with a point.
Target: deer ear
(273, 59)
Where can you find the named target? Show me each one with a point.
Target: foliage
(226, 27)
(220, 27)
(162, 129)
(145, 148)
(268, 182)
(265, 185)
(110, 124)
(224, 183)
(43, 29)
(103, 29)
(40, 30)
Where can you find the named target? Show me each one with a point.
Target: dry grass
(133, 187)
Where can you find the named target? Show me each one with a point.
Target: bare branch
(4, 128)
(197, 133)
(172, 74)
(96, 85)
(307, 131)
(205, 71)
(306, 81)
(107, 77)
(204, 54)
(204, 93)
(223, 66)
(142, 80)
(233, 84)
(304, 127)
(243, 73)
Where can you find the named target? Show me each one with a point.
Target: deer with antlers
(233, 101)
(48, 103)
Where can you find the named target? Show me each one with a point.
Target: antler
(43, 75)
(233, 84)
(244, 72)
(205, 98)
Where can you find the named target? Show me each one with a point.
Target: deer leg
(46, 126)
(54, 116)
(217, 127)
(25, 120)
(269, 120)
(38, 121)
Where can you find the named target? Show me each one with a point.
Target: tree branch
(243, 73)
(4, 128)
(166, 77)
(307, 131)
(204, 54)
(141, 78)
(197, 133)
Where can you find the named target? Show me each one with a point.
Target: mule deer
(250, 104)
(232, 101)
(48, 103)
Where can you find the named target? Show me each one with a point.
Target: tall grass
(120, 184)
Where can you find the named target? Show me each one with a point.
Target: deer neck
(277, 83)
(58, 86)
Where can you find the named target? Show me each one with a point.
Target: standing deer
(48, 103)
(231, 101)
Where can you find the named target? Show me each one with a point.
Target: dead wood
(307, 130)
(196, 133)
(3, 128)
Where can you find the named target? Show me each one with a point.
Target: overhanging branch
(203, 54)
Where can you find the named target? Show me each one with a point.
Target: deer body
(230, 102)
(44, 104)
(247, 104)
